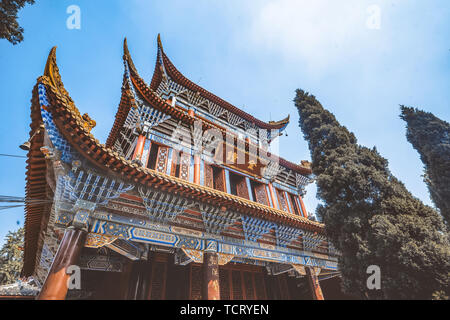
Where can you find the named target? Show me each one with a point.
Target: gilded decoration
(194, 255)
(94, 240)
(225, 258)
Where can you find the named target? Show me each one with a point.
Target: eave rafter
(216, 219)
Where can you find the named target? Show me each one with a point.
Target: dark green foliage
(9, 27)
(11, 257)
(370, 216)
(430, 136)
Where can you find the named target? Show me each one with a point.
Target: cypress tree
(430, 136)
(370, 216)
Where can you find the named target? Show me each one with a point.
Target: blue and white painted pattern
(255, 228)
(286, 234)
(58, 141)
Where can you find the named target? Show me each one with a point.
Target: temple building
(183, 201)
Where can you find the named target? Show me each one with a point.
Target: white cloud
(320, 32)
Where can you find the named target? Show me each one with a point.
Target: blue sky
(360, 63)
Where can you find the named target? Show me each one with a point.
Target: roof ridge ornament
(169, 71)
(160, 46)
(51, 72)
(283, 121)
(160, 59)
(127, 56)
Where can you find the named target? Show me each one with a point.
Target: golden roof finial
(51, 61)
(159, 42)
(51, 72)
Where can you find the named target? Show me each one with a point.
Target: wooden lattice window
(241, 284)
(294, 204)
(282, 201)
(259, 192)
(196, 282)
(238, 185)
(180, 165)
(219, 182)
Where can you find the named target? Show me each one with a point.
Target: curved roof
(132, 78)
(164, 63)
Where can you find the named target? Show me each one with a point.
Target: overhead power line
(11, 155)
(15, 202)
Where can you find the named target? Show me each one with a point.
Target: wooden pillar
(314, 284)
(139, 148)
(139, 283)
(191, 112)
(124, 281)
(272, 195)
(196, 169)
(304, 213)
(56, 284)
(211, 274)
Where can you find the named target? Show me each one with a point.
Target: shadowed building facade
(183, 201)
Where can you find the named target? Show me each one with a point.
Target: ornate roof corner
(89, 123)
(284, 121)
(165, 67)
(160, 46)
(52, 77)
(51, 71)
(127, 56)
(305, 164)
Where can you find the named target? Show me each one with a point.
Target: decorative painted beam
(67, 154)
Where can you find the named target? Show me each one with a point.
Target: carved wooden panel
(161, 160)
(282, 200)
(224, 277)
(242, 282)
(175, 162)
(185, 163)
(219, 179)
(284, 290)
(260, 288)
(209, 176)
(158, 287)
(248, 285)
(294, 204)
(241, 188)
(196, 282)
(236, 280)
(261, 194)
